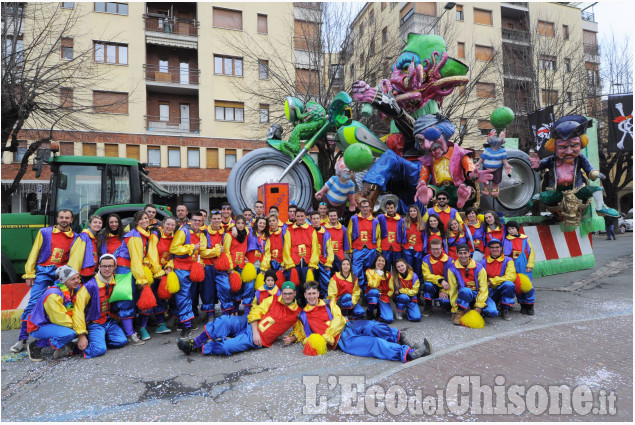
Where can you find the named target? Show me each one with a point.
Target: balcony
(171, 31)
(591, 49)
(517, 36)
(172, 124)
(171, 79)
(514, 70)
(588, 16)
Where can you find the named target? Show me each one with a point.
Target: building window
(174, 157)
(230, 158)
(371, 18)
(89, 149)
(67, 48)
(384, 35)
(407, 12)
(461, 50)
(133, 152)
(361, 29)
(262, 24)
(19, 154)
(569, 98)
(483, 17)
(109, 7)
(565, 32)
(228, 19)
(263, 69)
(67, 148)
(484, 127)
(229, 111)
(226, 65)
(463, 127)
(305, 35)
(212, 158)
(484, 53)
(352, 70)
(567, 65)
(111, 150)
(66, 98)
(547, 62)
(546, 28)
(110, 102)
(383, 5)
(592, 73)
(154, 156)
(459, 12)
(164, 112)
(68, 5)
(111, 53)
(264, 112)
(336, 74)
(371, 49)
(164, 65)
(193, 158)
(549, 97)
(485, 90)
(307, 81)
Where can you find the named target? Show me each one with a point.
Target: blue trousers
(57, 336)
(362, 259)
(336, 266)
(195, 291)
(345, 303)
(101, 336)
(505, 293)
(374, 302)
(224, 293)
(528, 297)
(367, 338)
(410, 304)
(467, 297)
(391, 258)
(44, 278)
(127, 309)
(323, 277)
(220, 329)
(415, 259)
(183, 298)
(162, 305)
(431, 292)
(208, 291)
(299, 293)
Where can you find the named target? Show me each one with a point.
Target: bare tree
(47, 80)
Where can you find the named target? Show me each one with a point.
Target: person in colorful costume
(151, 210)
(457, 233)
(363, 234)
(189, 246)
(365, 338)
(477, 230)
(236, 247)
(339, 238)
(501, 274)
(259, 209)
(111, 236)
(51, 249)
(51, 320)
(435, 284)
(494, 229)
(414, 226)
(300, 249)
(392, 233)
(468, 287)
(518, 247)
(266, 322)
(379, 291)
(568, 166)
(257, 241)
(160, 240)
(269, 289)
(133, 255)
(344, 290)
(272, 258)
(407, 284)
(181, 215)
(323, 209)
(84, 252)
(96, 330)
(213, 278)
(444, 211)
(325, 259)
(226, 213)
(434, 230)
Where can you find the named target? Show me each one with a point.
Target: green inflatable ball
(501, 118)
(358, 157)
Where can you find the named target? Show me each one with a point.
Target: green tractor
(86, 185)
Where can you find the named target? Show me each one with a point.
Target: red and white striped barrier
(15, 297)
(559, 252)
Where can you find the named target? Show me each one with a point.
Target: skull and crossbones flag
(620, 123)
(539, 122)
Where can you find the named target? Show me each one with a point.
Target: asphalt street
(157, 382)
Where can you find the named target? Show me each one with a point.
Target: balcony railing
(172, 124)
(171, 74)
(517, 70)
(592, 49)
(516, 35)
(171, 25)
(588, 16)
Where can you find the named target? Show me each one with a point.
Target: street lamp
(448, 6)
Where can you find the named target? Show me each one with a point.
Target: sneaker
(427, 309)
(171, 322)
(162, 329)
(65, 351)
(423, 351)
(186, 333)
(606, 211)
(505, 314)
(35, 352)
(457, 317)
(527, 309)
(19, 346)
(399, 316)
(143, 332)
(404, 340)
(186, 345)
(134, 340)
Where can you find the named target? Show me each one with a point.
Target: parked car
(625, 222)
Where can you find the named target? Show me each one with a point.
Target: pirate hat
(570, 126)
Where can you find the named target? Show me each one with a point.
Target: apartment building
(172, 93)
(525, 55)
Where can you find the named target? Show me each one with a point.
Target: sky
(615, 17)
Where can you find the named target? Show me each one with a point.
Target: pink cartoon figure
(494, 157)
(339, 188)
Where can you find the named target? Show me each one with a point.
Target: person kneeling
(365, 338)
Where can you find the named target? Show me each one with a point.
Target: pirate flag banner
(540, 121)
(620, 123)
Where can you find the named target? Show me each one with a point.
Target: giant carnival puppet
(568, 193)
(421, 159)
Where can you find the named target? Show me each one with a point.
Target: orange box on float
(275, 194)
